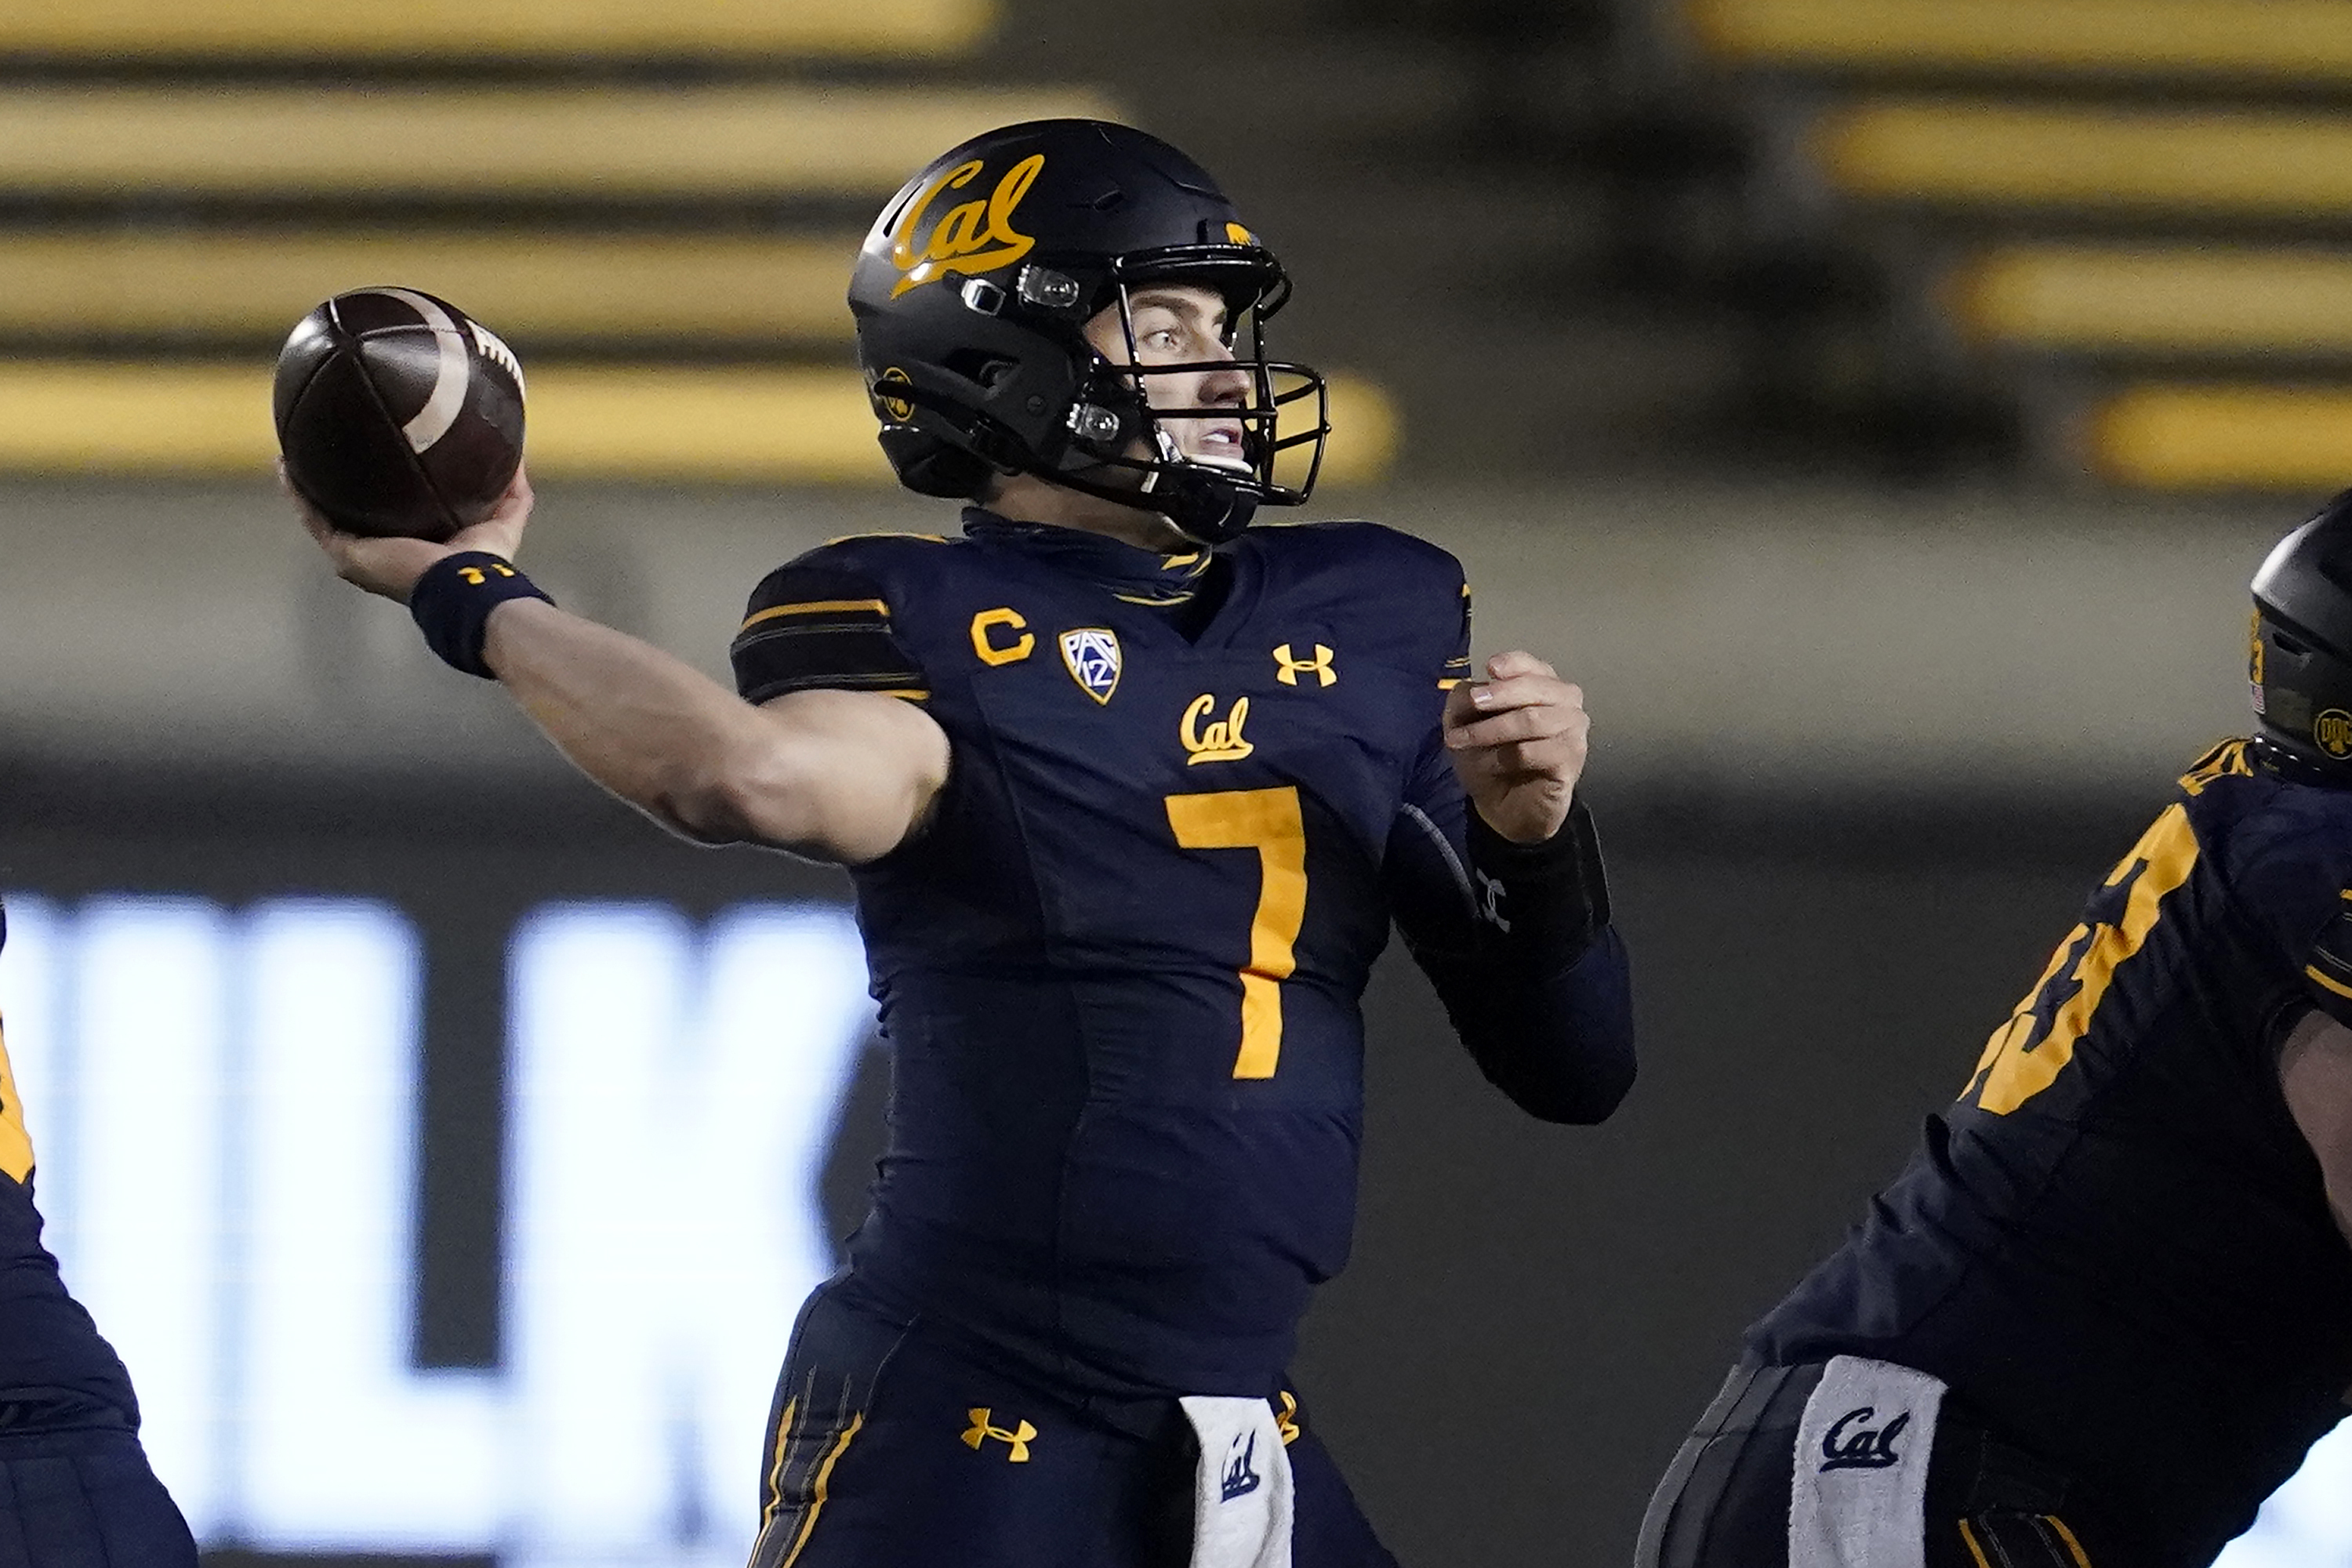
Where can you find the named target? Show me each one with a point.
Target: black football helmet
(971, 294)
(2301, 664)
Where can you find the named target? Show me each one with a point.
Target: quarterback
(1131, 795)
(2108, 1307)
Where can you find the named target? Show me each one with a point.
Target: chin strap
(2275, 756)
(1206, 508)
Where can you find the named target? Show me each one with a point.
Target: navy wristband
(453, 601)
(1551, 899)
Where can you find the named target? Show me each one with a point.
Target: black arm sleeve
(1517, 939)
(812, 625)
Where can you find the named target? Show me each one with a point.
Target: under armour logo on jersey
(1219, 741)
(1286, 1420)
(1288, 667)
(1490, 901)
(1091, 656)
(1241, 1476)
(1867, 1449)
(1017, 1439)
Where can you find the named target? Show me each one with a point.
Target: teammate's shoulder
(2279, 839)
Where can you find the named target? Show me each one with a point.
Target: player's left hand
(1518, 740)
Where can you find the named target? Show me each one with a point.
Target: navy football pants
(84, 1498)
(1724, 1501)
(888, 1449)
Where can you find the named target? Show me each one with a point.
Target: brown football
(397, 413)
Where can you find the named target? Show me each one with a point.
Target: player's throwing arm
(401, 421)
(835, 775)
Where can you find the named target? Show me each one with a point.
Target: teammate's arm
(2315, 1070)
(1494, 876)
(835, 775)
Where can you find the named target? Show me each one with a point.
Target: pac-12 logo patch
(1091, 656)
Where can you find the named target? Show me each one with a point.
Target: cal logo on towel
(1241, 1476)
(1866, 1449)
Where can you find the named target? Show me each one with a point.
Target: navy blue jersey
(50, 1352)
(1120, 964)
(2116, 1246)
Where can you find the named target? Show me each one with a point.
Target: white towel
(1241, 1494)
(1859, 1498)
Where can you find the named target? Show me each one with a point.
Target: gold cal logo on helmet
(977, 236)
(2333, 732)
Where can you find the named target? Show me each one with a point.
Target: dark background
(1534, 1314)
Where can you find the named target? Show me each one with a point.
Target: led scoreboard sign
(224, 1105)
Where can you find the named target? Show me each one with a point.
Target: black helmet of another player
(2301, 663)
(972, 297)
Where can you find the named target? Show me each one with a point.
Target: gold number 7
(1268, 821)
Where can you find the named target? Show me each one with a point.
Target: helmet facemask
(1283, 415)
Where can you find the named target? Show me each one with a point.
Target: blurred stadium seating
(2121, 222)
(470, 30)
(2294, 42)
(656, 205)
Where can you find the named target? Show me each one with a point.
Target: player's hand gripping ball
(397, 415)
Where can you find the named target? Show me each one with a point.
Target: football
(397, 413)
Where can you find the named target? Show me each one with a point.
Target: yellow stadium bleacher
(2213, 162)
(2268, 41)
(2198, 182)
(217, 284)
(466, 30)
(782, 424)
(598, 144)
(339, 163)
(2175, 299)
(2222, 436)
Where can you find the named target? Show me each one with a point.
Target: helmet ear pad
(951, 419)
(932, 467)
(2303, 694)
